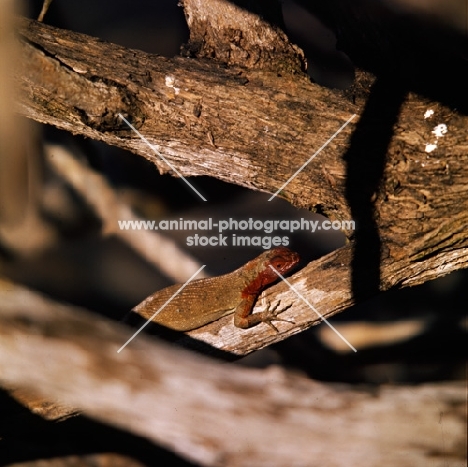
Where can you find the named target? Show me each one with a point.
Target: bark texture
(231, 416)
(255, 128)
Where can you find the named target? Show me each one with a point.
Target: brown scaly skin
(206, 300)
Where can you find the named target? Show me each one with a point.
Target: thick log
(217, 414)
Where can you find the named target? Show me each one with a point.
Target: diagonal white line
(302, 167)
(313, 308)
(156, 312)
(161, 156)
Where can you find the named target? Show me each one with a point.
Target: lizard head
(282, 259)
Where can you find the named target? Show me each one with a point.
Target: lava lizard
(203, 301)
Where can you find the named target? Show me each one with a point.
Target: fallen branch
(212, 413)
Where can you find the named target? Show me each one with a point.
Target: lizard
(203, 301)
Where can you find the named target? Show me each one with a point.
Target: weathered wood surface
(217, 414)
(255, 128)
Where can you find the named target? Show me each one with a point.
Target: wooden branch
(45, 7)
(327, 285)
(155, 248)
(40, 405)
(255, 128)
(229, 34)
(214, 414)
(204, 118)
(86, 460)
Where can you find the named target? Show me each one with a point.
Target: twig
(45, 7)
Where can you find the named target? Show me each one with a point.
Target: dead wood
(217, 414)
(255, 128)
(92, 460)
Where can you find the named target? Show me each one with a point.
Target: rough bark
(229, 34)
(255, 128)
(230, 416)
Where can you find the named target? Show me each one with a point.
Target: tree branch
(206, 119)
(255, 128)
(155, 248)
(157, 392)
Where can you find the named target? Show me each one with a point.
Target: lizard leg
(243, 317)
(271, 314)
